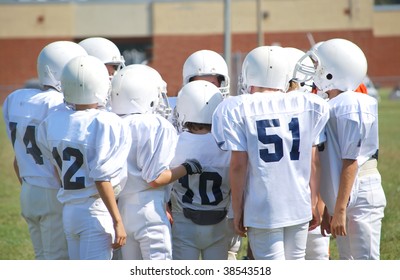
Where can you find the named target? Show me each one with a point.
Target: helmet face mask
(84, 81)
(52, 59)
(295, 57)
(207, 63)
(139, 89)
(196, 102)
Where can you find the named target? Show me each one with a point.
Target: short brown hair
(197, 126)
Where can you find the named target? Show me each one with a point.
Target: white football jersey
(352, 133)
(209, 190)
(277, 130)
(153, 144)
(23, 111)
(86, 146)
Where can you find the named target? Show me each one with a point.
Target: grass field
(14, 238)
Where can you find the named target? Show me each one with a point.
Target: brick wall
(18, 56)
(18, 62)
(170, 52)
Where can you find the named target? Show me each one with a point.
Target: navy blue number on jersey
(216, 180)
(68, 154)
(29, 141)
(277, 141)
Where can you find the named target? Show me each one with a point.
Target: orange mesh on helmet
(362, 88)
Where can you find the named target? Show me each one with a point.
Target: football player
(350, 181)
(200, 202)
(23, 111)
(210, 66)
(89, 147)
(271, 134)
(143, 202)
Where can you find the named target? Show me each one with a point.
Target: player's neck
(200, 131)
(82, 107)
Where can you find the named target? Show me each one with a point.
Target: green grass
(15, 242)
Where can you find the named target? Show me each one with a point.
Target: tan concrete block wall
(36, 20)
(386, 23)
(285, 15)
(112, 20)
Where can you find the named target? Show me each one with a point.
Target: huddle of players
(126, 172)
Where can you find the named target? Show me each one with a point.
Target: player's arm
(347, 177)
(106, 192)
(315, 180)
(189, 167)
(238, 177)
(16, 169)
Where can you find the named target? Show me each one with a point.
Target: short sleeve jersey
(86, 146)
(277, 130)
(23, 111)
(209, 190)
(352, 133)
(153, 144)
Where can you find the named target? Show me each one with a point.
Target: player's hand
(338, 224)
(316, 219)
(326, 223)
(169, 214)
(120, 235)
(238, 226)
(193, 166)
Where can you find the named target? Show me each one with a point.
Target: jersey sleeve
(112, 148)
(350, 136)
(227, 126)
(322, 112)
(42, 139)
(156, 147)
(6, 118)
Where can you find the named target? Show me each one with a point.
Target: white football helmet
(105, 50)
(339, 64)
(136, 88)
(84, 80)
(265, 66)
(53, 58)
(196, 102)
(204, 63)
